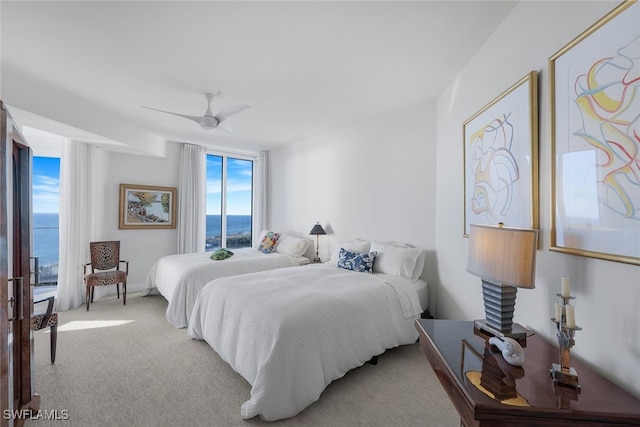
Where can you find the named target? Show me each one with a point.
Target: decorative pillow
(220, 254)
(268, 242)
(260, 237)
(293, 246)
(361, 262)
(356, 245)
(398, 260)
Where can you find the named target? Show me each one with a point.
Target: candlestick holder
(563, 374)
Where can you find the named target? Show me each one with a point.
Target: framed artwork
(501, 159)
(145, 206)
(595, 139)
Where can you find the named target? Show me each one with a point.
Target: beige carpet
(127, 366)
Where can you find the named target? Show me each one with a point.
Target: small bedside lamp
(505, 259)
(317, 231)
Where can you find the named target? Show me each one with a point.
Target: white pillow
(293, 246)
(355, 245)
(403, 261)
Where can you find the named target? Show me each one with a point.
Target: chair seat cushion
(38, 319)
(104, 278)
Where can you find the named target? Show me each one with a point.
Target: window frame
(225, 155)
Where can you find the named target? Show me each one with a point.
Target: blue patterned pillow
(356, 261)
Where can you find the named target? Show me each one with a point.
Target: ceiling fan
(209, 120)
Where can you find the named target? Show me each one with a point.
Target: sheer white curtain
(192, 191)
(75, 222)
(260, 187)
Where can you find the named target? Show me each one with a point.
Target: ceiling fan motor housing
(209, 122)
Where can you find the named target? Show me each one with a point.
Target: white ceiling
(304, 67)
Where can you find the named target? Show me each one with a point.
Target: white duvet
(290, 332)
(179, 278)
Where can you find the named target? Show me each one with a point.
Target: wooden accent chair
(47, 319)
(105, 269)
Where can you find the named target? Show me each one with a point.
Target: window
(229, 202)
(46, 209)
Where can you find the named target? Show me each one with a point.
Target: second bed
(290, 332)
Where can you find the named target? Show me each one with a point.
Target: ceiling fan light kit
(209, 120)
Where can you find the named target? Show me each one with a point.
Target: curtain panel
(192, 192)
(74, 222)
(260, 186)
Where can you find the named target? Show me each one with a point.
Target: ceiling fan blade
(225, 128)
(222, 115)
(196, 119)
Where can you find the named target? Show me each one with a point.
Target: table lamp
(317, 231)
(505, 259)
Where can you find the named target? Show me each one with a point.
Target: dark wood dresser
(487, 391)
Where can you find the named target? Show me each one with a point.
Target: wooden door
(16, 299)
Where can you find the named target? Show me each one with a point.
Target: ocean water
(46, 235)
(238, 231)
(236, 224)
(46, 238)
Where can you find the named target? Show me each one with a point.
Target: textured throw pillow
(222, 253)
(361, 262)
(399, 260)
(292, 246)
(268, 242)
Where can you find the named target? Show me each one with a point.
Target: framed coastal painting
(501, 159)
(145, 206)
(595, 139)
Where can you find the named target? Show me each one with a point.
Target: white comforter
(179, 278)
(290, 332)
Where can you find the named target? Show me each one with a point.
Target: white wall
(371, 180)
(607, 293)
(141, 247)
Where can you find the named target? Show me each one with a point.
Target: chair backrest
(105, 255)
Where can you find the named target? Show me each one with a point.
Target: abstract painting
(501, 159)
(595, 120)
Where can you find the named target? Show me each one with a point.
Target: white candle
(558, 313)
(571, 316)
(566, 291)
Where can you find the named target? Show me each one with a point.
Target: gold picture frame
(595, 162)
(501, 159)
(147, 207)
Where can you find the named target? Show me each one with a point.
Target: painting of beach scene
(143, 206)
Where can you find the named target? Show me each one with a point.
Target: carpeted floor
(127, 366)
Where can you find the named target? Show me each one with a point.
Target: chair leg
(54, 340)
(118, 290)
(124, 292)
(88, 296)
(92, 292)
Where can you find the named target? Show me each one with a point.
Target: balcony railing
(43, 274)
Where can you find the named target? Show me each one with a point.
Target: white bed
(179, 278)
(292, 331)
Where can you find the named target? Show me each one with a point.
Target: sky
(239, 184)
(46, 184)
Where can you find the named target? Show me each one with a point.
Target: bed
(179, 278)
(290, 332)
